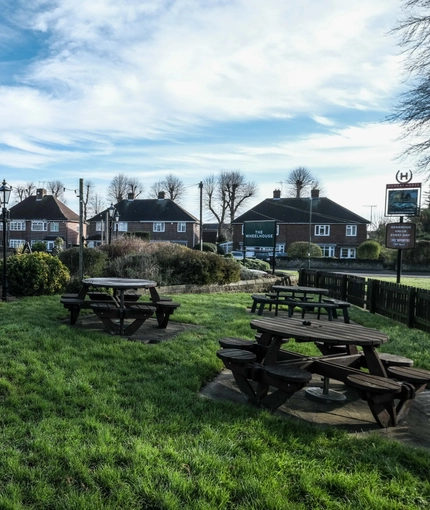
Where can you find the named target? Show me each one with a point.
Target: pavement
(352, 415)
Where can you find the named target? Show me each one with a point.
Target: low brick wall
(251, 286)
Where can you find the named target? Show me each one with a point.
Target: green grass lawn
(92, 421)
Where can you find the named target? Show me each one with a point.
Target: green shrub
(208, 247)
(418, 255)
(258, 264)
(94, 261)
(369, 250)
(36, 274)
(302, 249)
(38, 246)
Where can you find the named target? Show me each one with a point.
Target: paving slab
(352, 415)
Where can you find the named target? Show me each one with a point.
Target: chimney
(40, 193)
(276, 194)
(130, 196)
(161, 195)
(315, 193)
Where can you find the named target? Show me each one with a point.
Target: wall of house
(189, 238)
(291, 233)
(67, 230)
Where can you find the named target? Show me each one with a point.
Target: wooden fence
(408, 305)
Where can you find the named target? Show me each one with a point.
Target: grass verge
(92, 421)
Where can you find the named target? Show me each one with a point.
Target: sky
(147, 88)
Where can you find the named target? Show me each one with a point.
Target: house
(337, 230)
(42, 217)
(162, 218)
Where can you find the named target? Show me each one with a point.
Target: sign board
(400, 236)
(259, 233)
(403, 199)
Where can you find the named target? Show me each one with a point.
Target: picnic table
(120, 306)
(268, 375)
(290, 296)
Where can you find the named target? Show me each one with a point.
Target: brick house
(337, 230)
(162, 218)
(42, 217)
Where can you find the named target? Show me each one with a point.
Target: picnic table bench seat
(75, 305)
(261, 300)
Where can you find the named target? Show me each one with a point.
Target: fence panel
(393, 300)
(357, 291)
(422, 310)
(336, 284)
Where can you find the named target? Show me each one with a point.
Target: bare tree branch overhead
(301, 180)
(121, 186)
(173, 187)
(413, 108)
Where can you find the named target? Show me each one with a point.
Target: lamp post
(113, 217)
(5, 190)
(116, 219)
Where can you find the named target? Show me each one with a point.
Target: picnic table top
(119, 283)
(298, 288)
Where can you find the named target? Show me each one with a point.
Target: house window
(182, 227)
(16, 225)
(351, 230)
(39, 226)
(55, 226)
(159, 227)
(322, 230)
(121, 226)
(16, 243)
(327, 251)
(98, 226)
(348, 253)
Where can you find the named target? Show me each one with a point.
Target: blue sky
(191, 88)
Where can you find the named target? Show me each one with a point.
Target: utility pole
(81, 229)
(371, 212)
(201, 215)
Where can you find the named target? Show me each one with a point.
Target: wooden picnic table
(268, 374)
(114, 308)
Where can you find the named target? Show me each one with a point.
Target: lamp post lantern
(113, 217)
(5, 191)
(116, 219)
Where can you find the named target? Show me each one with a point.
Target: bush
(208, 247)
(261, 265)
(369, 250)
(36, 274)
(38, 246)
(94, 261)
(302, 249)
(418, 255)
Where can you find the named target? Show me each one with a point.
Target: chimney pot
(276, 194)
(315, 193)
(161, 195)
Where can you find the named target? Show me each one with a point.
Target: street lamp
(113, 217)
(116, 219)
(5, 190)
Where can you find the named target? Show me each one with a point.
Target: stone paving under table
(353, 415)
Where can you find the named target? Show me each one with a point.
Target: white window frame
(351, 253)
(16, 243)
(330, 248)
(182, 226)
(39, 223)
(121, 226)
(159, 226)
(54, 226)
(99, 226)
(16, 225)
(351, 230)
(322, 230)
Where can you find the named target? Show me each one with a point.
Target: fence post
(372, 291)
(344, 287)
(300, 282)
(411, 307)
(317, 278)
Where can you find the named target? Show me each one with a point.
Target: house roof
(45, 208)
(149, 210)
(298, 210)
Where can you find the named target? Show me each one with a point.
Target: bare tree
(121, 185)
(22, 191)
(413, 109)
(172, 186)
(225, 194)
(300, 180)
(57, 189)
(134, 187)
(87, 198)
(97, 204)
